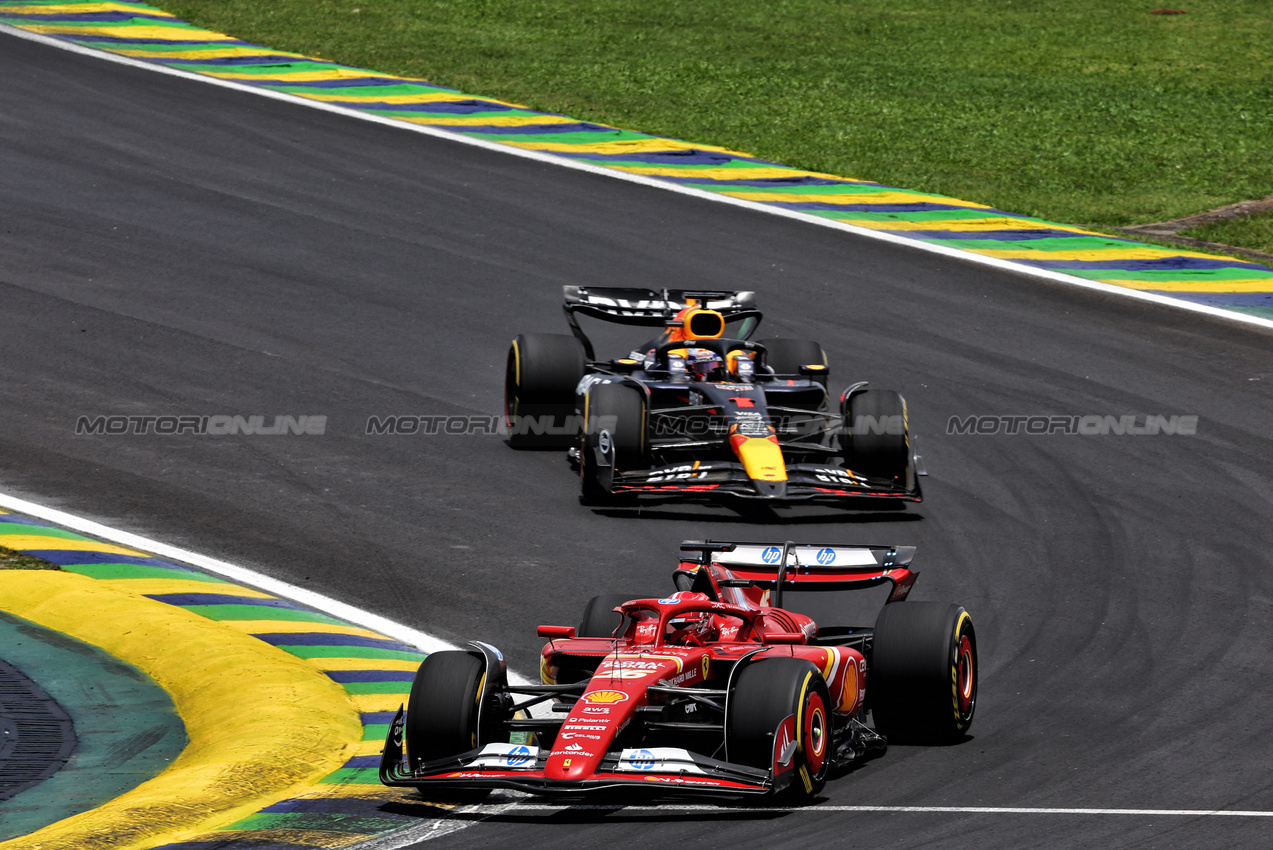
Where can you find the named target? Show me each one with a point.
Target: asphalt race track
(170, 248)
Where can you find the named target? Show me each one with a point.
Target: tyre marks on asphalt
(142, 32)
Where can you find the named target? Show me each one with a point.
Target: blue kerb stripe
(223, 599)
(691, 156)
(330, 639)
(93, 17)
(1163, 264)
(73, 557)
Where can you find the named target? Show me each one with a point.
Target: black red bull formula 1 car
(715, 690)
(701, 409)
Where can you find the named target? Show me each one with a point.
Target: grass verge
(1090, 112)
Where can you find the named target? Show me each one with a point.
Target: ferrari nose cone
(771, 489)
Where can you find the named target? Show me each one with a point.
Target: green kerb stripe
(425, 113)
(921, 215)
(352, 776)
(170, 23)
(375, 731)
(265, 69)
(124, 571)
(841, 189)
(260, 612)
(358, 824)
(39, 531)
(351, 652)
(1050, 243)
(582, 137)
(377, 90)
(363, 688)
(174, 48)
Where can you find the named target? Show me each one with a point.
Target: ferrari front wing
(521, 767)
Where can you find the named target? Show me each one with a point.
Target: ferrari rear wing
(804, 566)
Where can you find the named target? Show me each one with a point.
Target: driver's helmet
(695, 628)
(702, 364)
(741, 366)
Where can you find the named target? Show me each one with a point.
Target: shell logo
(604, 697)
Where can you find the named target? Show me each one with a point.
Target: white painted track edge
(563, 162)
(236, 573)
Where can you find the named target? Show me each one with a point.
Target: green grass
(1088, 111)
(1255, 232)
(12, 560)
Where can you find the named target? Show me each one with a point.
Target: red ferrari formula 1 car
(715, 690)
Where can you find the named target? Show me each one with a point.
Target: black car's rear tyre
(599, 617)
(442, 711)
(765, 693)
(614, 418)
(876, 436)
(540, 378)
(923, 672)
(786, 356)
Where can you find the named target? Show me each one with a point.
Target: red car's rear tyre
(765, 693)
(923, 672)
(599, 617)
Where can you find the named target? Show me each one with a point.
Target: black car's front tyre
(764, 694)
(540, 378)
(614, 438)
(875, 439)
(923, 672)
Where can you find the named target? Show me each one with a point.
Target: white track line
(243, 575)
(960, 810)
(563, 162)
(429, 830)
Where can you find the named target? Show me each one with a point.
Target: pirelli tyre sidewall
(540, 377)
(442, 710)
(875, 439)
(922, 680)
(764, 694)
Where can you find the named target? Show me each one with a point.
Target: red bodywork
(686, 646)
